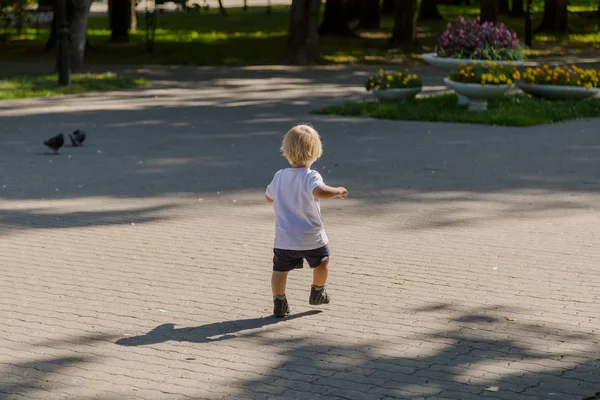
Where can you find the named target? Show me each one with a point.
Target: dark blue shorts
(287, 260)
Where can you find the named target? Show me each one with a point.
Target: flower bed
(394, 80)
(479, 82)
(562, 76)
(486, 73)
(394, 86)
(560, 82)
(469, 39)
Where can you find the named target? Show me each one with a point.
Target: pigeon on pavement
(77, 138)
(56, 142)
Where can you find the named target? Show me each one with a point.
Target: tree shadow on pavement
(222, 134)
(215, 332)
(478, 355)
(23, 377)
(49, 219)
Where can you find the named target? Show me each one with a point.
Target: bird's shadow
(47, 153)
(215, 332)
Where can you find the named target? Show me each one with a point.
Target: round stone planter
(448, 64)
(397, 94)
(554, 92)
(477, 94)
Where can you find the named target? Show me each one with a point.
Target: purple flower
(467, 37)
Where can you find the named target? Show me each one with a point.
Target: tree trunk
(556, 17)
(51, 43)
(78, 30)
(335, 21)
(133, 15)
(428, 10)
(353, 9)
(517, 8)
(222, 8)
(119, 12)
(503, 7)
(404, 34)
(19, 13)
(489, 10)
(388, 7)
(303, 38)
(370, 16)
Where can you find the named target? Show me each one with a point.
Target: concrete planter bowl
(477, 94)
(397, 94)
(555, 92)
(448, 64)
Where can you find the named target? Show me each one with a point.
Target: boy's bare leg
(320, 274)
(318, 294)
(278, 283)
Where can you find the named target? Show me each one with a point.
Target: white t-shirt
(298, 213)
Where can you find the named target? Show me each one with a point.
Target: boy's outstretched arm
(270, 200)
(325, 192)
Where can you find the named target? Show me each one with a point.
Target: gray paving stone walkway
(465, 261)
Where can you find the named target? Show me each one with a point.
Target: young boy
(299, 233)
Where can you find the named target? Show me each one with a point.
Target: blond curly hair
(302, 146)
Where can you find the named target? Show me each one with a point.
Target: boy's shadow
(206, 333)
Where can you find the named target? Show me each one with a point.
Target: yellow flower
(387, 85)
(496, 81)
(372, 84)
(381, 71)
(494, 64)
(509, 82)
(578, 83)
(389, 77)
(377, 87)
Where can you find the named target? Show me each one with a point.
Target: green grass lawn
(517, 110)
(25, 86)
(253, 38)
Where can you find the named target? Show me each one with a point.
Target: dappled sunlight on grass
(574, 38)
(254, 38)
(25, 86)
(518, 110)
